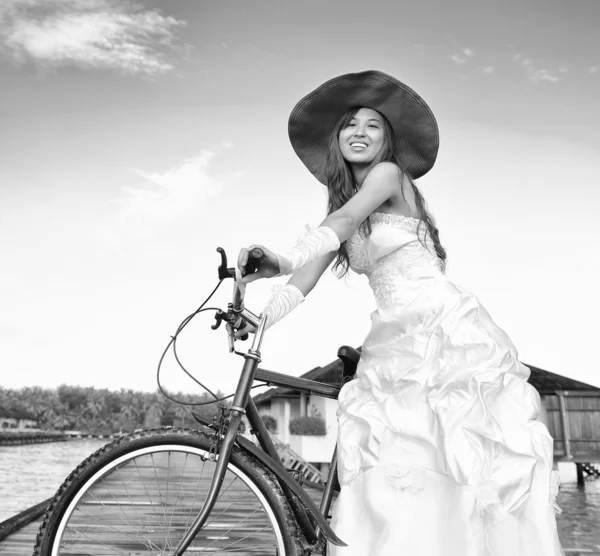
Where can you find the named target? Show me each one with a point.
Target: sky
(137, 137)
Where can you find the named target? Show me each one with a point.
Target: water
(32, 473)
(579, 524)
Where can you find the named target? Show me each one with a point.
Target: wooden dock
(21, 542)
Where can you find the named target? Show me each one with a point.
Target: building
(16, 420)
(573, 415)
(284, 404)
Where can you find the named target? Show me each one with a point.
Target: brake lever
(252, 265)
(223, 271)
(219, 317)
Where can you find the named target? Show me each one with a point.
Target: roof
(543, 381)
(15, 413)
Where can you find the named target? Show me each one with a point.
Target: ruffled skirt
(440, 449)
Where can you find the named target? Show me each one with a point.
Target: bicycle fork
(252, 359)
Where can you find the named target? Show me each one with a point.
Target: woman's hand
(246, 329)
(268, 264)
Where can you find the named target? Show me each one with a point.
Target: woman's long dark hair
(341, 187)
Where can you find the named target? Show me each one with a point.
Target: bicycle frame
(243, 404)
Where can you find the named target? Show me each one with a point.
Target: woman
(440, 449)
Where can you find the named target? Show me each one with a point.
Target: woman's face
(361, 140)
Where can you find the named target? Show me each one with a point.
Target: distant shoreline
(21, 438)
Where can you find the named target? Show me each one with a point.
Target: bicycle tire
(117, 502)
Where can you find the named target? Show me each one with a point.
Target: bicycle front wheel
(140, 494)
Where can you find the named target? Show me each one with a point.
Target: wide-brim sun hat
(416, 134)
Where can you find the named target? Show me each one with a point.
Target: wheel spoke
(168, 528)
(231, 529)
(95, 518)
(143, 483)
(117, 516)
(235, 501)
(193, 505)
(96, 541)
(131, 500)
(160, 496)
(178, 491)
(119, 505)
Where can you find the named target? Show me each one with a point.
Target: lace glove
(283, 301)
(315, 243)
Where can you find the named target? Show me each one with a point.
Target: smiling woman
(440, 448)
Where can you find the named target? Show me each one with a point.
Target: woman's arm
(307, 277)
(382, 183)
(303, 281)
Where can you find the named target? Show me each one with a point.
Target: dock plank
(21, 542)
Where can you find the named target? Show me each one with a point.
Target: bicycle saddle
(350, 358)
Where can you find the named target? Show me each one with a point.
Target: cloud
(537, 74)
(592, 70)
(461, 56)
(488, 70)
(107, 34)
(168, 197)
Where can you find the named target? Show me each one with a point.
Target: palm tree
(182, 411)
(154, 411)
(62, 421)
(51, 408)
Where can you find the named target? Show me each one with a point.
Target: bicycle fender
(280, 471)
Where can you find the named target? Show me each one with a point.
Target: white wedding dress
(440, 450)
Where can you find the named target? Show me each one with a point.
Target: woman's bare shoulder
(403, 201)
(386, 170)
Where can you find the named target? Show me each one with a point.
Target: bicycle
(174, 491)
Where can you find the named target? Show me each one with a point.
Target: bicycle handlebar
(253, 260)
(236, 307)
(251, 266)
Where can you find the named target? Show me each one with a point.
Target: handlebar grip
(254, 260)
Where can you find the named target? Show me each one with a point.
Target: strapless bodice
(393, 253)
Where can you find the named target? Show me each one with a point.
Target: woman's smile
(362, 138)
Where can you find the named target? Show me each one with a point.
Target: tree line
(103, 411)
